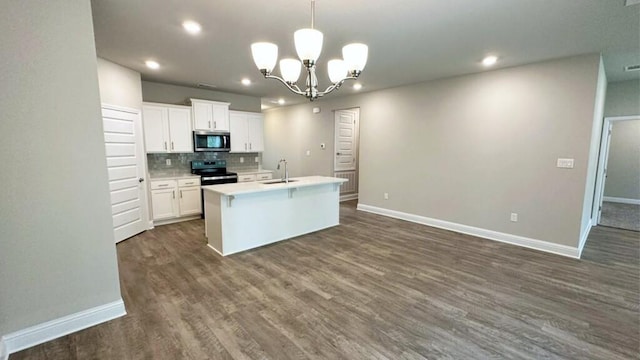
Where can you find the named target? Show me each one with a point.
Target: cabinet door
(156, 129)
(220, 115)
(190, 200)
(202, 114)
(238, 127)
(255, 132)
(180, 130)
(163, 203)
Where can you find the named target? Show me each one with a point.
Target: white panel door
(180, 130)
(345, 141)
(125, 166)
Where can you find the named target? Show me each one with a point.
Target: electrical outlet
(386, 196)
(564, 163)
(308, 152)
(257, 159)
(241, 159)
(168, 162)
(514, 217)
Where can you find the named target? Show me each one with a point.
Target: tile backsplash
(181, 163)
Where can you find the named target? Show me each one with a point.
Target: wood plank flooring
(371, 288)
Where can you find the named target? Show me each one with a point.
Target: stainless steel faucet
(285, 178)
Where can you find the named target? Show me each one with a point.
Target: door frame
(602, 163)
(142, 155)
(355, 109)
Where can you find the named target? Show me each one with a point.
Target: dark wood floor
(371, 288)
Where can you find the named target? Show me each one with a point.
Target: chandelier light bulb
(308, 44)
(265, 55)
(290, 70)
(337, 70)
(355, 56)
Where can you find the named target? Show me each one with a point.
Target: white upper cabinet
(210, 115)
(247, 131)
(167, 128)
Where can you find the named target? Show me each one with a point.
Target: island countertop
(261, 186)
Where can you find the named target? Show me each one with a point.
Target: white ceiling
(409, 41)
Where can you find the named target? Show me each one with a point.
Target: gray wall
(623, 98)
(469, 150)
(623, 168)
(119, 85)
(179, 95)
(57, 252)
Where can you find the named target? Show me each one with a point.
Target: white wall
(57, 252)
(623, 98)
(468, 150)
(623, 168)
(119, 85)
(179, 95)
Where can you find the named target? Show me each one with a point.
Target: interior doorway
(618, 188)
(346, 133)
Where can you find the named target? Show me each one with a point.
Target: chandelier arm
(292, 87)
(336, 85)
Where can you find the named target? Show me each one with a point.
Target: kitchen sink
(278, 182)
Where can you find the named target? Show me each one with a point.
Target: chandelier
(308, 44)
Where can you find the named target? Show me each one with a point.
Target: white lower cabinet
(255, 176)
(173, 199)
(163, 199)
(190, 198)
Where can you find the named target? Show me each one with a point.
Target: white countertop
(171, 176)
(260, 186)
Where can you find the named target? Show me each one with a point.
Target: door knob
(338, 154)
(140, 180)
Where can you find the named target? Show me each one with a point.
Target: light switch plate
(565, 163)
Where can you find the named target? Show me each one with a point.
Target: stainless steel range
(212, 172)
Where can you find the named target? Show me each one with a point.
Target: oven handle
(219, 177)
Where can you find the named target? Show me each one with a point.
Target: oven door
(211, 141)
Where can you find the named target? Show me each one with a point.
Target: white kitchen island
(244, 216)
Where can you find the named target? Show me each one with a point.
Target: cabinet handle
(172, 145)
(180, 194)
(165, 145)
(245, 146)
(209, 124)
(162, 185)
(215, 125)
(174, 194)
(189, 183)
(250, 148)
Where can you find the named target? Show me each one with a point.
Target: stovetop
(208, 168)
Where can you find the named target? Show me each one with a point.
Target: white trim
(4, 354)
(348, 197)
(584, 236)
(621, 200)
(121, 108)
(175, 220)
(535, 244)
(40, 333)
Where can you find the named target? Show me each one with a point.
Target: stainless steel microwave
(211, 141)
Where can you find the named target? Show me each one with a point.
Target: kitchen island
(244, 216)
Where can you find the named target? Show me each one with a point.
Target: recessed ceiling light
(246, 82)
(152, 64)
(489, 60)
(192, 27)
(357, 86)
(281, 101)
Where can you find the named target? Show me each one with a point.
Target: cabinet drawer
(163, 184)
(264, 176)
(189, 182)
(246, 178)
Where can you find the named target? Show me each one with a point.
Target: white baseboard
(535, 244)
(348, 197)
(175, 220)
(56, 328)
(621, 200)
